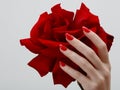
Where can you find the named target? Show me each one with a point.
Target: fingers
(74, 74)
(94, 65)
(85, 50)
(99, 43)
(80, 61)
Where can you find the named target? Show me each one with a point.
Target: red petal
(47, 31)
(59, 35)
(57, 20)
(81, 15)
(93, 21)
(37, 29)
(52, 53)
(30, 45)
(84, 18)
(42, 64)
(50, 43)
(63, 13)
(60, 77)
(107, 38)
(48, 52)
(47, 27)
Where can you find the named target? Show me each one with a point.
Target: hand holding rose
(97, 67)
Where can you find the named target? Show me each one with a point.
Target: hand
(97, 67)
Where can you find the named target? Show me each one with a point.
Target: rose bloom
(49, 32)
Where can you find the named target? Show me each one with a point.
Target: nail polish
(61, 64)
(62, 47)
(68, 36)
(85, 29)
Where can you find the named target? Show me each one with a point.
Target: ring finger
(80, 61)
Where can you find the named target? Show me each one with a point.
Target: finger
(99, 43)
(85, 50)
(80, 61)
(74, 74)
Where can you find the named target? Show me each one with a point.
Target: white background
(17, 18)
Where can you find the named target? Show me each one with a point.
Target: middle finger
(85, 50)
(80, 61)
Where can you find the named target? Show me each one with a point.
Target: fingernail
(61, 64)
(85, 29)
(68, 36)
(62, 47)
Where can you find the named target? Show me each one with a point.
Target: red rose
(49, 32)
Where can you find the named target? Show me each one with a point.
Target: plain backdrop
(17, 18)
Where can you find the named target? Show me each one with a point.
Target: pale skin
(97, 66)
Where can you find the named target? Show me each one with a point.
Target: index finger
(99, 43)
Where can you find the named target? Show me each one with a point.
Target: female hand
(97, 67)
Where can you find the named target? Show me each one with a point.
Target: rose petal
(93, 21)
(60, 77)
(59, 35)
(107, 38)
(61, 12)
(56, 20)
(47, 27)
(81, 15)
(48, 52)
(42, 64)
(47, 33)
(84, 18)
(30, 45)
(38, 28)
(50, 44)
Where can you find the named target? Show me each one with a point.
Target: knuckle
(107, 66)
(90, 53)
(68, 52)
(72, 54)
(100, 79)
(77, 75)
(100, 82)
(83, 63)
(102, 46)
(68, 69)
(94, 86)
(107, 73)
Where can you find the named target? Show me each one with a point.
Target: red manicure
(85, 29)
(62, 47)
(61, 64)
(68, 36)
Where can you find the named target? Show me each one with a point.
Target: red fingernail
(68, 36)
(62, 47)
(85, 29)
(61, 64)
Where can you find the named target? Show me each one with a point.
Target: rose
(48, 33)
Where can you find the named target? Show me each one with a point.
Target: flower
(49, 32)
